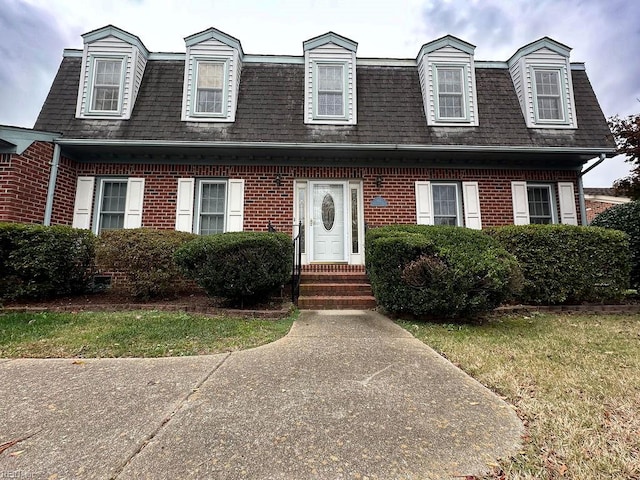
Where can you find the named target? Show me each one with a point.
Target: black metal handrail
(297, 266)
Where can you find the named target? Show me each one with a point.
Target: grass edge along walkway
(131, 334)
(573, 380)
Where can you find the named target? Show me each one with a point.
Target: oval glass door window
(328, 212)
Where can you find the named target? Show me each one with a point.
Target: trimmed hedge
(439, 270)
(625, 217)
(41, 262)
(145, 258)
(243, 267)
(567, 264)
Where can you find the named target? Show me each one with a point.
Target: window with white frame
(211, 206)
(210, 87)
(446, 204)
(112, 198)
(108, 203)
(548, 95)
(330, 95)
(541, 205)
(544, 203)
(450, 86)
(107, 85)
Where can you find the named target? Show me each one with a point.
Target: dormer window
(107, 85)
(451, 103)
(548, 95)
(211, 77)
(210, 95)
(330, 99)
(113, 64)
(447, 78)
(541, 75)
(330, 80)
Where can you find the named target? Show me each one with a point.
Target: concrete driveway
(345, 395)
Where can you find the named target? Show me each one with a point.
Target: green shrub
(145, 258)
(625, 217)
(40, 262)
(439, 271)
(242, 267)
(567, 264)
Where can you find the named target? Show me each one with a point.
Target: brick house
(212, 139)
(597, 200)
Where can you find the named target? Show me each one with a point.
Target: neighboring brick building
(597, 200)
(213, 140)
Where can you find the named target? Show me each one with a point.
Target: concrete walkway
(346, 395)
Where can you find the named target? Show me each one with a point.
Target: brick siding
(267, 202)
(595, 207)
(24, 180)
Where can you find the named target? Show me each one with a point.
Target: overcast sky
(604, 34)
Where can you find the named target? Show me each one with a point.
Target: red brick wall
(65, 195)
(265, 201)
(24, 181)
(595, 207)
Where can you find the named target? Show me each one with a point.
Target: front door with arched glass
(328, 214)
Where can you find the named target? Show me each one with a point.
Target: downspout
(583, 208)
(53, 177)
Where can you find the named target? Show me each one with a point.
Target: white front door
(327, 214)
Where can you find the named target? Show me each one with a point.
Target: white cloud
(604, 35)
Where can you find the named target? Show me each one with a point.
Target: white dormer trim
(109, 48)
(451, 60)
(549, 59)
(333, 54)
(215, 47)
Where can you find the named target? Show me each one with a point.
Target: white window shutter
(83, 202)
(424, 208)
(520, 203)
(471, 199)
(566, 194)
(133, 203)
(184, 205)
(235, 205)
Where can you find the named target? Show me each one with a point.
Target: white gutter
(331, 146)
(583, 207)
(53, 176)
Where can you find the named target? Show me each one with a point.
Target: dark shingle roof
(605, 192)
(271, 101)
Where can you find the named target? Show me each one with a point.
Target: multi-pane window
(302, 214)
(540, 204)
(212, 202)
(355, 231)
(331, 90)
(112, 204)
(106, 85)
(548, 95)
(450, 93)
(210, 87)
(446, 206)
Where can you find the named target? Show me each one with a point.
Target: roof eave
(338, 146)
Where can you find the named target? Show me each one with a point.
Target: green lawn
(574, 380)
(131, 334)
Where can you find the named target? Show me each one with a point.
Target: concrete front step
(339, 289)
(325, 302)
